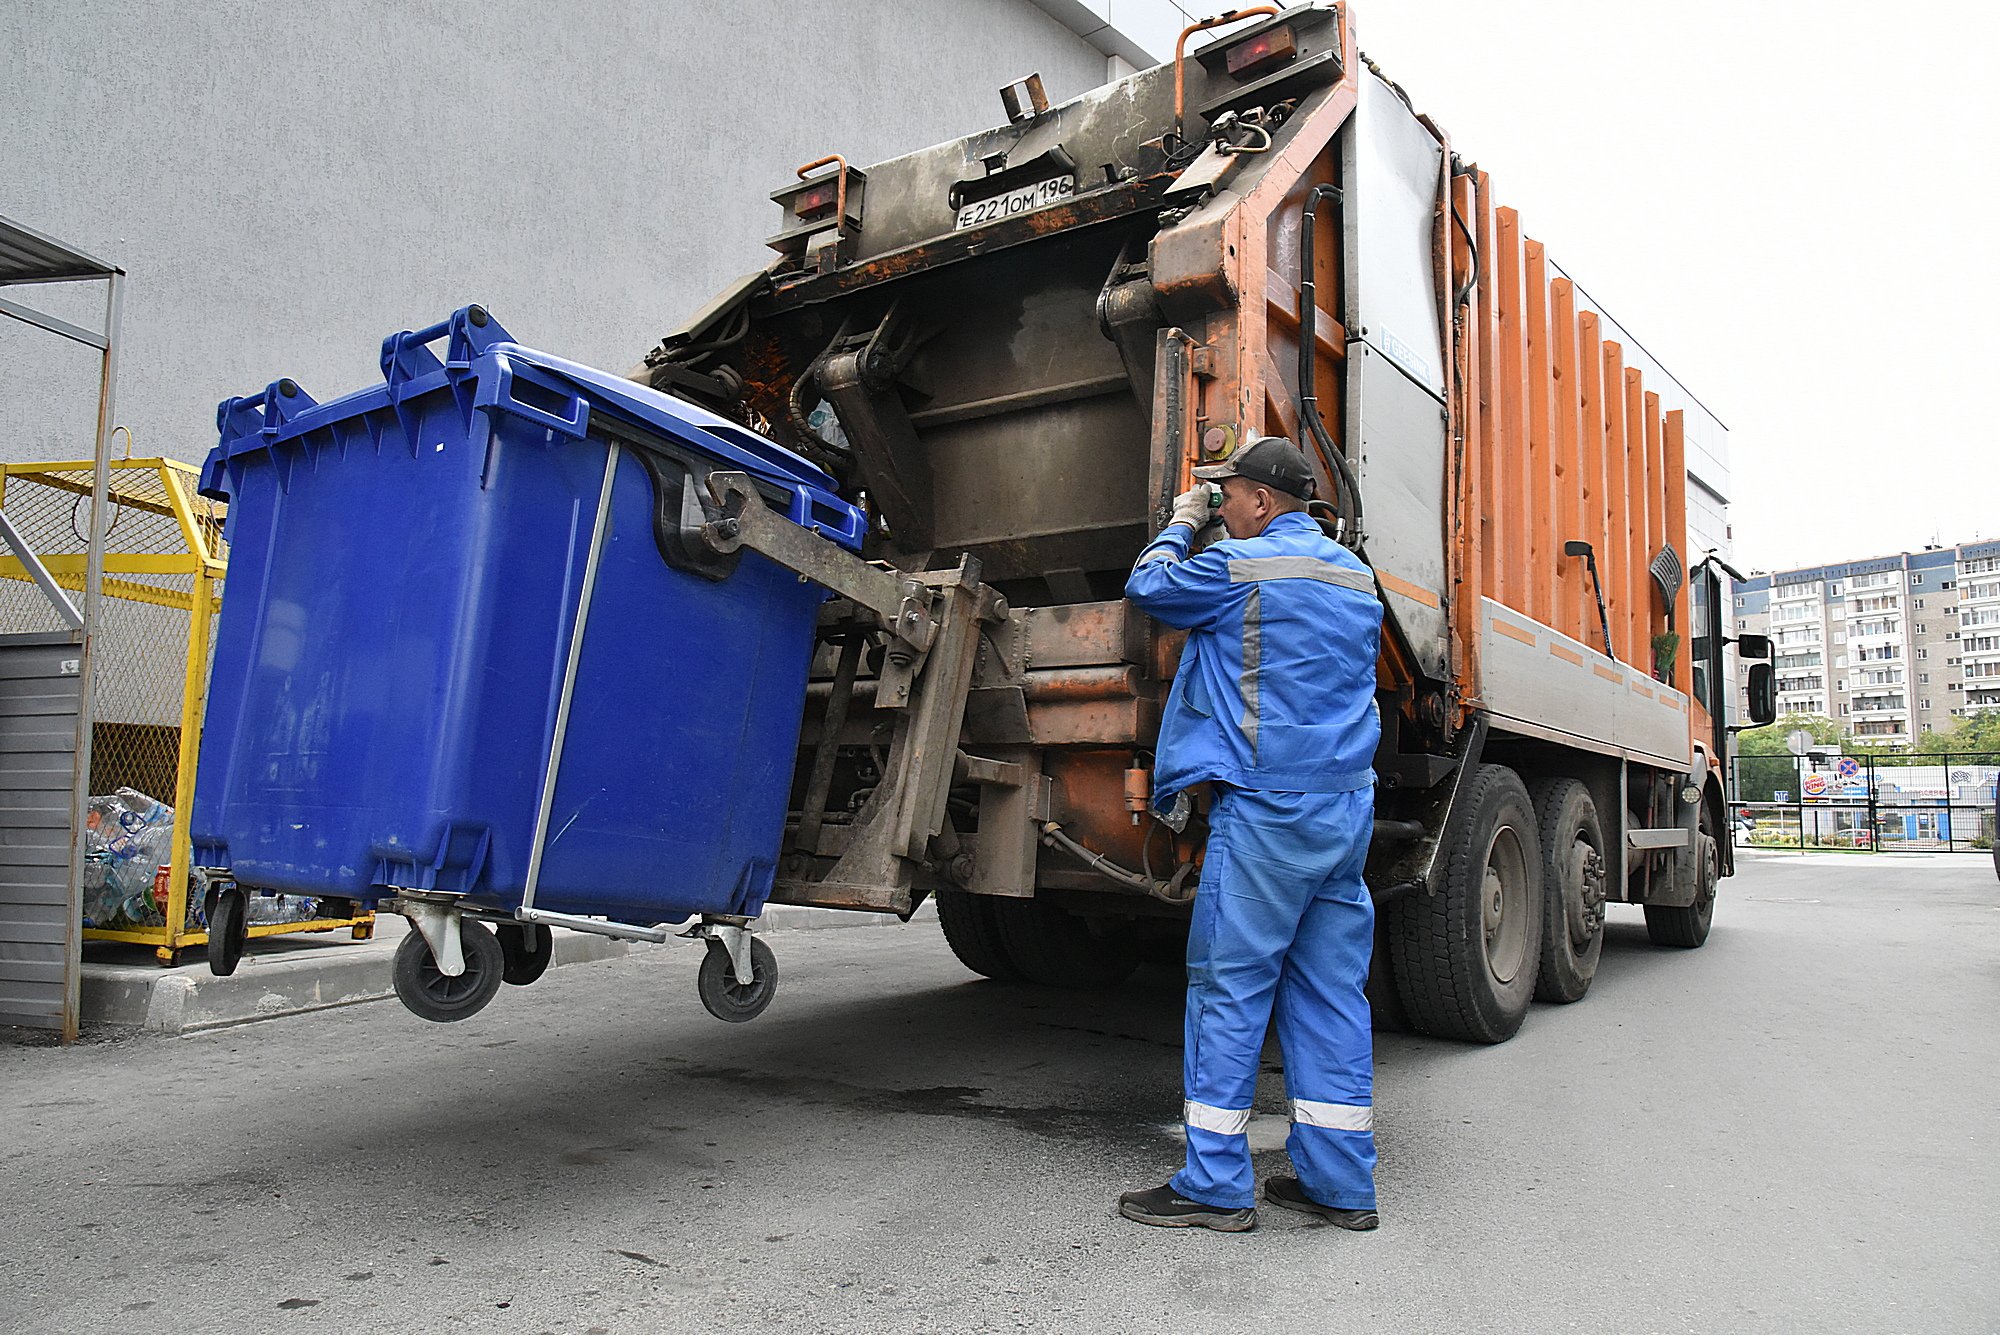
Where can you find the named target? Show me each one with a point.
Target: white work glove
(1194, 508)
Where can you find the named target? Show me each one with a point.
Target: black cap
(1271, 460)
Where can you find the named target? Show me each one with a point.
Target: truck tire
(972, 930)
(1057, 949)
(1465, 958)
(1573, 875)
(1686, 928)
(1385, 1007)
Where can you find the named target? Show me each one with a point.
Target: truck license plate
(1023, 199)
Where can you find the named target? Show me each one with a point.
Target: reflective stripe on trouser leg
(1333, 1116)
(1323, 1024)
(1220, 1121)
(1268, 855)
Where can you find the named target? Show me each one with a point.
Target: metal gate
(1901, 802)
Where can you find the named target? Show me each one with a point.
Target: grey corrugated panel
(40, 772)
(28, 1010)
(25, 694)
(37, 738)
(29, 256)
(39, 935)
(46, 733)
(30, 970)
(19, 855)
(34, 818)
(38, 734)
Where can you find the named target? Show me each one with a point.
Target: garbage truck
(992, 364)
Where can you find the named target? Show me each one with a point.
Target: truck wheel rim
(1503, 905)
(1584, 911)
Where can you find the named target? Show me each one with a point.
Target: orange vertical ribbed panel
(1512, 399)
(1590, 428)
(1673, 465)
(1656, 514)
(1641, 485)
(1615, 559)
(1493, 436)
(1571, 593)
(1545, 552)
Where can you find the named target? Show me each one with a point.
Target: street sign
(1797, 741)
(1848, 767)
(1815, 785)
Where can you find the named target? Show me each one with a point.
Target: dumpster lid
(732, 442)
(483, 362)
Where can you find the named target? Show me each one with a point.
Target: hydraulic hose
(1166, 891)
(1330, 452)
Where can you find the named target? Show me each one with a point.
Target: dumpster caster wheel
(431, 995)
(228, 931)
(727, 999)
(527, 948)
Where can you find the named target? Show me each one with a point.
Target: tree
(1765, 765)
(1978, 734)
(1772, 739)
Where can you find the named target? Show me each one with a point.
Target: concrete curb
(294, 975)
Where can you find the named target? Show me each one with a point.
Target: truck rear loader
(1013, 347)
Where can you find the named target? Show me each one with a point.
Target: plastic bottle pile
(127, 839)
(128, 846)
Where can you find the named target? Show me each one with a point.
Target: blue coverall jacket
(1276, 687)
(1274, 704)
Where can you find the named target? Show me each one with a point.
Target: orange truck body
(1015, 346)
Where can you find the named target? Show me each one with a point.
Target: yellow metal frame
(178, 481)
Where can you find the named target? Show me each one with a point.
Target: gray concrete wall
(288, 182)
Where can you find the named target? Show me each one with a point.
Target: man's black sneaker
(1287, 1192)
(1162, 1207)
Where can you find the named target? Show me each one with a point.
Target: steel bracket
(439, 923)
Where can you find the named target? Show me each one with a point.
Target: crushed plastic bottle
(128, 837)
(264, 909)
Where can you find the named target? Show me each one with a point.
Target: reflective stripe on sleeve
(1249, 568)
(1333, 1116)
(1247, 683)
(1222, 1121)
(1158, 554)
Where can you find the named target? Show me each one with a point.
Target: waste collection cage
(164, 565)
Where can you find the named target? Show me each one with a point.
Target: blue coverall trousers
(1282, 917)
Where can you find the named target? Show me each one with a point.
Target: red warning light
(1268, 49)
(820, 199)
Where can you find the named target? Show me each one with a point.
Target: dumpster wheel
(228, 930)
(527, 949)
(428, 993)
(727, 999)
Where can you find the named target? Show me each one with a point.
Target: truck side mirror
(1762, 689)
(1753, 646)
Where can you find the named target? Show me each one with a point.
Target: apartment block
(1889, 648)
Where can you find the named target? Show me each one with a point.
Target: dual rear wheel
(1034, 940)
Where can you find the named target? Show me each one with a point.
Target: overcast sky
(1790, 205)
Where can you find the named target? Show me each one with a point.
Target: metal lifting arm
(901, 601)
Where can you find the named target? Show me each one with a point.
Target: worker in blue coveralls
(1274, 708)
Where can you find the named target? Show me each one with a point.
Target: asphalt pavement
(1791, 1129)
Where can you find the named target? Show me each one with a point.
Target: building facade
(1889, 648)
(286, 184)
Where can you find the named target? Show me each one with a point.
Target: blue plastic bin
(407, 566)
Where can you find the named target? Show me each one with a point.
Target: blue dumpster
(467, 646)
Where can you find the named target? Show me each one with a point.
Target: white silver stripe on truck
(1245, 569)
(1222, 1121)
(1334, 1116)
